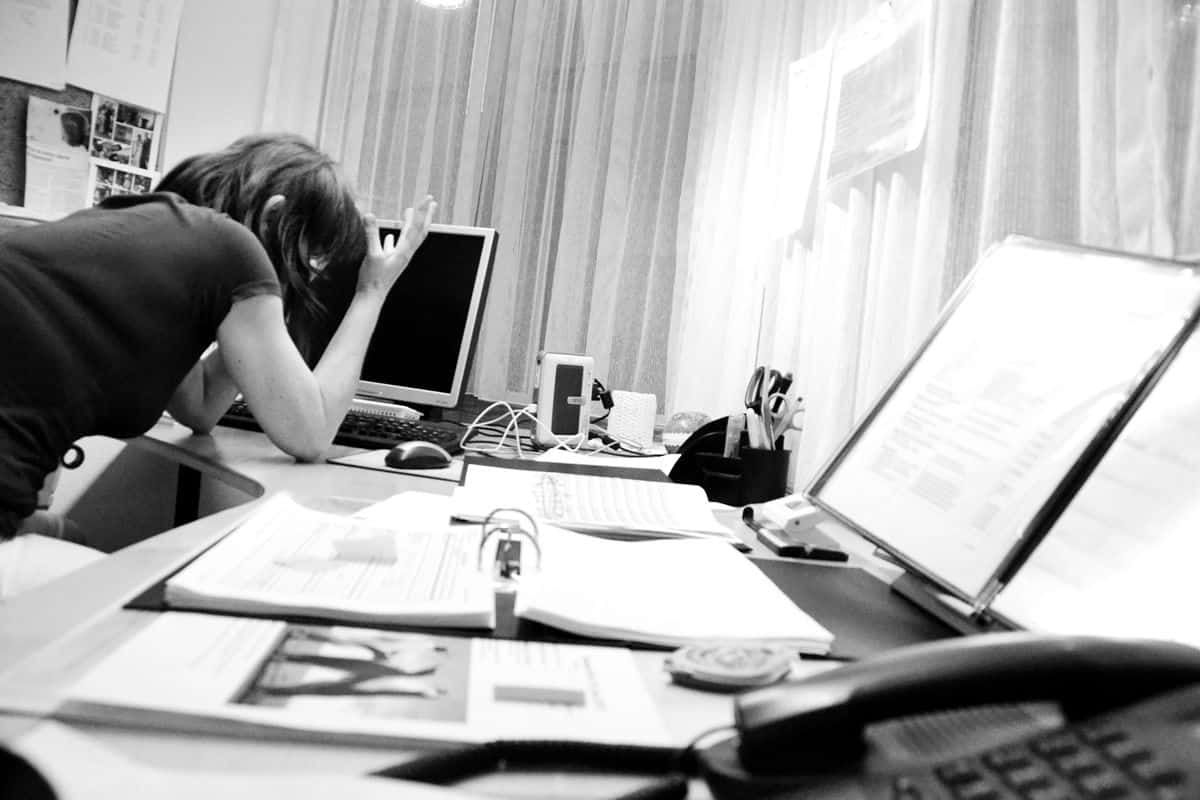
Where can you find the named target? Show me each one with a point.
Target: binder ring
(493, 524)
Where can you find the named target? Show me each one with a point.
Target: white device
(564, 399)
(791, 514)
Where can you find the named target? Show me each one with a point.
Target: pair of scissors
(766, 397)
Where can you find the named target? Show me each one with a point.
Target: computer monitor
(421, 348)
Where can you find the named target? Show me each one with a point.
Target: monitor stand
(946, 608)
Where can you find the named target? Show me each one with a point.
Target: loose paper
(124, 147)
(56, 158)
(881, 87)
(33, 41)
(125, 49)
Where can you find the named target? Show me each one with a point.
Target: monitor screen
(1038, 354)
(421, 349)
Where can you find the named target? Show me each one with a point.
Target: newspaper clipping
(56, 158)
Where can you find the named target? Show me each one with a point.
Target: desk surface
(51, 634)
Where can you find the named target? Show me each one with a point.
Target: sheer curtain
(562, 124)
(842, 300)
(630, 154)
(1068, 121)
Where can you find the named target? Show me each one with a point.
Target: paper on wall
(56, 158)
(124, 146)
(880, 89)
(808, 93)
(125, 49)
(33, 41)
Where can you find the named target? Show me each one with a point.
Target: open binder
(398, 569)
(1047, 364)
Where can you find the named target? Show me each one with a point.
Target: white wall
(220, 75)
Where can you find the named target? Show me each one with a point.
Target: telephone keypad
(1086, 763)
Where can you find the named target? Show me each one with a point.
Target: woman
(105, 314)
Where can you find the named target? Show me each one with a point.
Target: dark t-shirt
(102, 314)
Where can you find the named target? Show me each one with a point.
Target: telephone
(1131, 709)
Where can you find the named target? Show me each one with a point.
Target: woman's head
(315, 226)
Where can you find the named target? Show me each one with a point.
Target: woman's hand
(385, 261)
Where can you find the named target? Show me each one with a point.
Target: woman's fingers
(372, 226)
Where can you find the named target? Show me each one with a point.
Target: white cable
(511, 419)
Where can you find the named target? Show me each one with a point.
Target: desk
(52, 634)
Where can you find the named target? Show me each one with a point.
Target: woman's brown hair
(318, 221)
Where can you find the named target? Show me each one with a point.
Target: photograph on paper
(124, 149)
(124, 134)
(255, 677)
(374, 673)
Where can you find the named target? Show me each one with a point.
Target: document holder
(754, 475)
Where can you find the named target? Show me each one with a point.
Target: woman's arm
(299, 409)
(204, 394)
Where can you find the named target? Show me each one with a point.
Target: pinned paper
(33, 41)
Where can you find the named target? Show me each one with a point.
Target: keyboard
(368, 430)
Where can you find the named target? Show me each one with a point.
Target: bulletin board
(14, 104)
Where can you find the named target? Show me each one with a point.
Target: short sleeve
(255, 288)
(246, 270)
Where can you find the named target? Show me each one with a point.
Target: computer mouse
(417, 454)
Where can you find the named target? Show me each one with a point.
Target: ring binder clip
(507, 565)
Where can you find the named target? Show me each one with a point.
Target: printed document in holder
(1121, 558)
(1030, 374)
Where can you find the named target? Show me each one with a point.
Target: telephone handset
(806, 739)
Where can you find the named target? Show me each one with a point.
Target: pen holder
(764, 475)
(754, 475)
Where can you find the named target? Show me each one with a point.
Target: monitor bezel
(416, 396)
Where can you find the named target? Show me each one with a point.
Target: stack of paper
(664, 592)
(289, 560)
(620, 507)
(395, 564)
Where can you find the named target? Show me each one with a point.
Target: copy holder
(507, 563)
